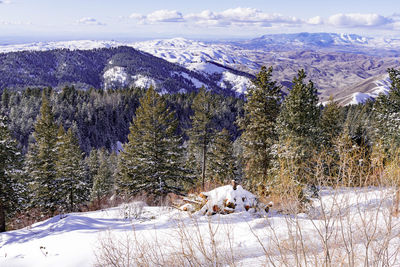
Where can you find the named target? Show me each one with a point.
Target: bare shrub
(132, 210)
(344, 229)
(192, 243)
(344, 225)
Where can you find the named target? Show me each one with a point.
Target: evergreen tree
(222, 160)
(298, 126)
(10, 174)
(387, 115)
(71, 176)
(202, 131)
(5, 99)
(41, 160)
(151, 161)
(93, 164)
(331, 122)
(259, 125)
(103, 181)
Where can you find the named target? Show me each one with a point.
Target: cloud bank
(242, 17)
(359, 20)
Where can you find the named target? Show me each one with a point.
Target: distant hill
(102, 68)
(338, 64)
(320, 41)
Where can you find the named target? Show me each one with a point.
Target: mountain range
(349, 67)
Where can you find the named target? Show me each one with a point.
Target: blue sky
(201, 19)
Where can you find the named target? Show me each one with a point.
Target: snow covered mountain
(188, 52)
(211, 60)
(319, 41)
(184, 51)
(103, 68)
(71, 45)
(337, 63)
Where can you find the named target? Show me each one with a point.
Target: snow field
(349, 226)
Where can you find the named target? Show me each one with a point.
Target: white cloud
(358, 20)
(89, 21)
(241, 17)
(235, 16)
(315, 20)
(5, 1)
(158, 16)
(165, 16)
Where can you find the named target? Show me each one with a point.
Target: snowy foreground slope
(349, 225)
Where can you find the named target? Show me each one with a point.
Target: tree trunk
(71, 199)
(396, 203)
(203, 167)
(2, 218)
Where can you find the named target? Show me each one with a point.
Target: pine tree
(222, 160)
(259, 126)
(331, 122)
(41, 160)
(298, 125)
(387, 115)
(202, 131)
(10, 174)
(151, 161)
(103, 180)
(93, 164)
(387, 124)
(5, 99)
(72, 185)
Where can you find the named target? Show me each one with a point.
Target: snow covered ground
(343, 225)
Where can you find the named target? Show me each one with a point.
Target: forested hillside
(102, 118)
(105, 68)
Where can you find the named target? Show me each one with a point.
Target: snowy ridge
(71, 45)
(176, 50)
(325, 40)
(381, 87)
(182, 51)
(187, 52)
(199, 56)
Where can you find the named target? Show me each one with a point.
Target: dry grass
(354, 225)
(190, 244)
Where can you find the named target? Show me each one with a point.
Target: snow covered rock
(226, 199)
